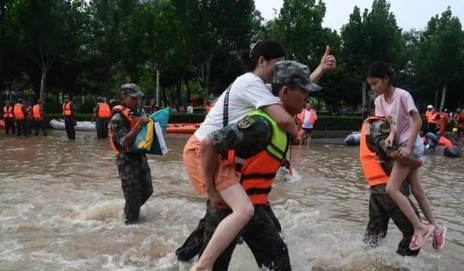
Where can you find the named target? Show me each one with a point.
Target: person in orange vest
(458, 119)
(377, 166)
(8, 115)
(425, 123)
(442, 121)
(69, 118)
(432, 121)
(20, 114)
(102, 114)
(133, 168)
(39, 118)
(307, 119)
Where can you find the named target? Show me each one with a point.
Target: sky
(409, 13)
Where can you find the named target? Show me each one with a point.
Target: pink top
(397, 112)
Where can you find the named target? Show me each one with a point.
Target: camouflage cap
(132, 89)
(293, 73)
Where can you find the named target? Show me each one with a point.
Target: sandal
(439, 241)
(418, 241)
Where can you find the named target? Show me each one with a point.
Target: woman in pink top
(398, 107)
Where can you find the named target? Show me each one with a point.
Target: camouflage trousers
(136, 182)
(10, 126)
(195, 241)
(21, 127)
(381, 209)
(102, 127)
(261, 234)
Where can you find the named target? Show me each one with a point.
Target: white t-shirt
(248, 93)
(397, 112)
(307, 119)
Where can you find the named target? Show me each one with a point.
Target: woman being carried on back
(248, 93)
(398, 107)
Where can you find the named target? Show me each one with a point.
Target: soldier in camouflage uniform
(133, 168)
(249, 137)
(382, 208)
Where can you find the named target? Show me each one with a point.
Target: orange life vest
(131, 120)
(67, 109)
(36, 112)
(459, 118)
(312, 117)
(104, 111)
(433, 118)
(8, 112)
(370, 162)
(18, 112)
(443, 121)
(259, 171)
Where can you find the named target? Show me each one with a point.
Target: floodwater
(61, 209)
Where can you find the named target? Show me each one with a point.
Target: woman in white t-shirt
(247, 93)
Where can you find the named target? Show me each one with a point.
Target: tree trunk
(364, 93)
(157, 86)
(206, 79)
(163, 92)
(435, 104)
(188, 90)
(42, 83)
(178, 91)
(443, 97)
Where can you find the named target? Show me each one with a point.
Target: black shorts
(307, 130)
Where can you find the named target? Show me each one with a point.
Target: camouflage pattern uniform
(381, 206)
(133, 167)
(248, 137)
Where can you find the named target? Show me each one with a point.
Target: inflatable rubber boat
(353, 139)
(81, 125)
(182, 128)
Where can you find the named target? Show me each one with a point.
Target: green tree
(440, 54)
(299, 28)
(374, 36)
(46, 30)
(213, 27)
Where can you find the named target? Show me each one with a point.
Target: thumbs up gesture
(328, 61)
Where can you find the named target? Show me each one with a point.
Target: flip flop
(439, 241)
(418, 241)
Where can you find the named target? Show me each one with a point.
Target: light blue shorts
(418, 148)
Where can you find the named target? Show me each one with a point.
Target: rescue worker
(442, 121)
(377, 165)
(8, 116)
(102, 114)
(256, 146)
(69, 118)
(458, 120)
(432, 121)
(307, 118)
(20, 118)
(39, 118)
(133, 168)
